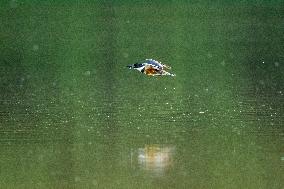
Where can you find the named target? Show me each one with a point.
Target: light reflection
(155, 159)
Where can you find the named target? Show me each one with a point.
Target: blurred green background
(73, 116)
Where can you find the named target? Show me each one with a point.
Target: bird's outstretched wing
(154, 63)
(166, 66)
(157, 64)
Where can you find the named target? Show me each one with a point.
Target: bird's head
(136, 66)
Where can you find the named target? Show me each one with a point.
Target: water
(73, 116)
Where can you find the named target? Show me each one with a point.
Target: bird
(152, 67)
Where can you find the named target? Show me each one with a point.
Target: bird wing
(158, 64)
(166, 66)
(154, 63)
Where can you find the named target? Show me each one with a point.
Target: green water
(73, 116)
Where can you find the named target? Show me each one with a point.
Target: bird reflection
(156, 159)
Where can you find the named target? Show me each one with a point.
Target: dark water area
(73, 116)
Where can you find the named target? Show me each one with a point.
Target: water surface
(73, 116)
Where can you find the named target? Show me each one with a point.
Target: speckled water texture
(73, 116)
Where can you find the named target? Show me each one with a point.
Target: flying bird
(151, 67)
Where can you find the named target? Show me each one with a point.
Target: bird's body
(151, 67)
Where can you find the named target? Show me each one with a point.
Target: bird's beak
(130, 66)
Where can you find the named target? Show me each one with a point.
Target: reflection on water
(156, 159)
